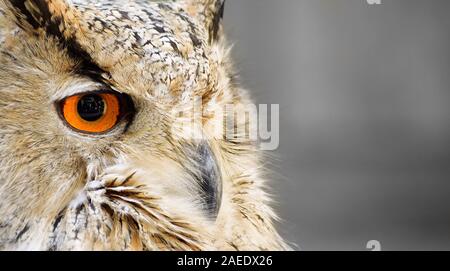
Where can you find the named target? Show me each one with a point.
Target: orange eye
(93, 112)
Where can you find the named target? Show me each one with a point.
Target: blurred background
(364, 93)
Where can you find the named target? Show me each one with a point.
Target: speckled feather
(142, 186)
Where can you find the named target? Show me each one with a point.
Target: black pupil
(91, 107)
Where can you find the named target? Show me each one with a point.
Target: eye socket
(95, 112)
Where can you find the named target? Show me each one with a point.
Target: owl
(101, 147)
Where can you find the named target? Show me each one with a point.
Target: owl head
(95, 98)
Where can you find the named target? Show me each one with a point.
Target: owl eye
(95, 112)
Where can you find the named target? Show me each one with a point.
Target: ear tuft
(51, 17)
(210, 13)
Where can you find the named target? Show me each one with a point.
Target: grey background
(364, 97)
